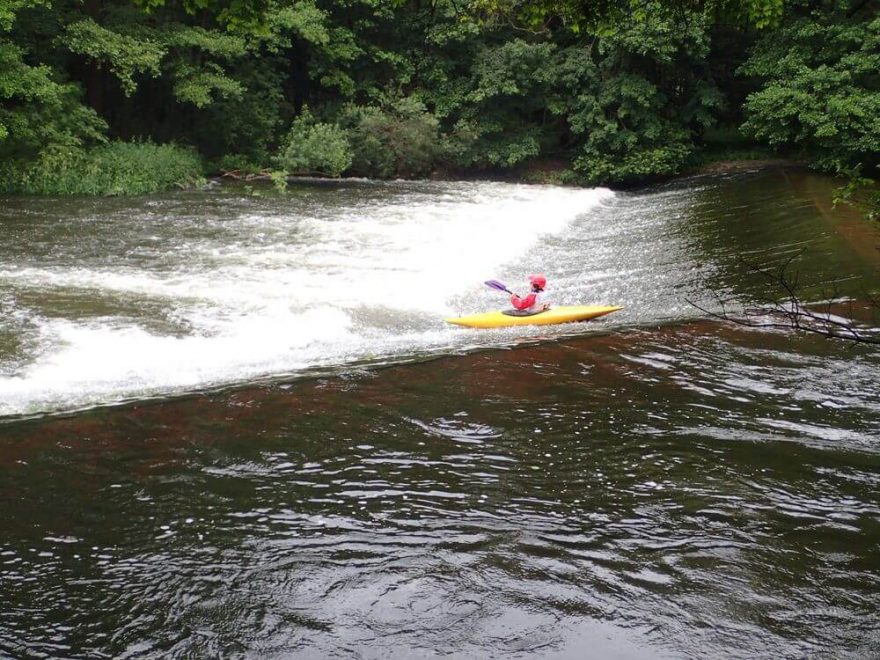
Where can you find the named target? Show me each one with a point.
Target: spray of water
(160, 298)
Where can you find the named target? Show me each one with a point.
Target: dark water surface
(657, 487)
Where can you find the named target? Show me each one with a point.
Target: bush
(402, 141)
(315, 148)
(497, 140)
(241, 163)
(117, 168)
(627, 138)
(635, 166)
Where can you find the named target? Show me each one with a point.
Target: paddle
(498, 286)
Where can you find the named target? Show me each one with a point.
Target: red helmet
(538, 280)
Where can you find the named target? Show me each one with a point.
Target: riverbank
(551, 172)
(138, 169)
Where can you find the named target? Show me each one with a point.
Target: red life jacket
(531, 300)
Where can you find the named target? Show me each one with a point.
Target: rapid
(104, 301)
(114, 300)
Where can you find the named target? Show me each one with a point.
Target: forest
(133, 96)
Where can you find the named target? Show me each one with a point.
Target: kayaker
(532, 302)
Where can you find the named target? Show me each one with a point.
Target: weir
(106, 301)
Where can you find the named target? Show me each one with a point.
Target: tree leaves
(313, 147)
(821, 91)
(126, 55)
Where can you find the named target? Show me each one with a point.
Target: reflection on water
(685, 492)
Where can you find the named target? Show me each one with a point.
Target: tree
(820, 88)
(820, 91)
(41, 114)
(580, 15)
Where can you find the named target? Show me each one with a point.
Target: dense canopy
(616, 91)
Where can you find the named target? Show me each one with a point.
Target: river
(233, 423)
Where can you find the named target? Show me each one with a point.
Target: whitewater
(105, 301)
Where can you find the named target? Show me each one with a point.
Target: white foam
(277, 293)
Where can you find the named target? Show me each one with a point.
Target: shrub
(633, 166)
(627, 138)
(315, 148)
(494, 142)
(403, 140)
(117, 168)
(236, 163)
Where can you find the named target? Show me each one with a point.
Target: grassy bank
(117, 168)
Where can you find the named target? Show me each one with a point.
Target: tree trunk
(94, 77)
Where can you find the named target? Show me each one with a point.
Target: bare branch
(791, 313)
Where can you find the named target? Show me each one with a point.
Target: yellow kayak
(551, 316)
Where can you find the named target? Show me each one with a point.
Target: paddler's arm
(522, 303)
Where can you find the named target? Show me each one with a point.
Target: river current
(235, 424)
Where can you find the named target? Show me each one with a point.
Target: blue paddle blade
(495, 284)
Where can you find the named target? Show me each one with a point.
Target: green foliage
(200, 86)
(487, 143)
(9, 10)
(179, 51)
(627, 137)
(118, 168)
(250, 122)
(198, 61)
(859, 192)
(37, 112)
(240, 163)
(400, 141)
(212, 42)
(614, 91)
(503, 117)
(126, 55)
(644, 98)
(20, 80)
(191, 56)
(315, 148)
(579, 17)
(279, 179)
(633, 165)
(58, 122)
(821, 89)
(302, 20)
(234, 15)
